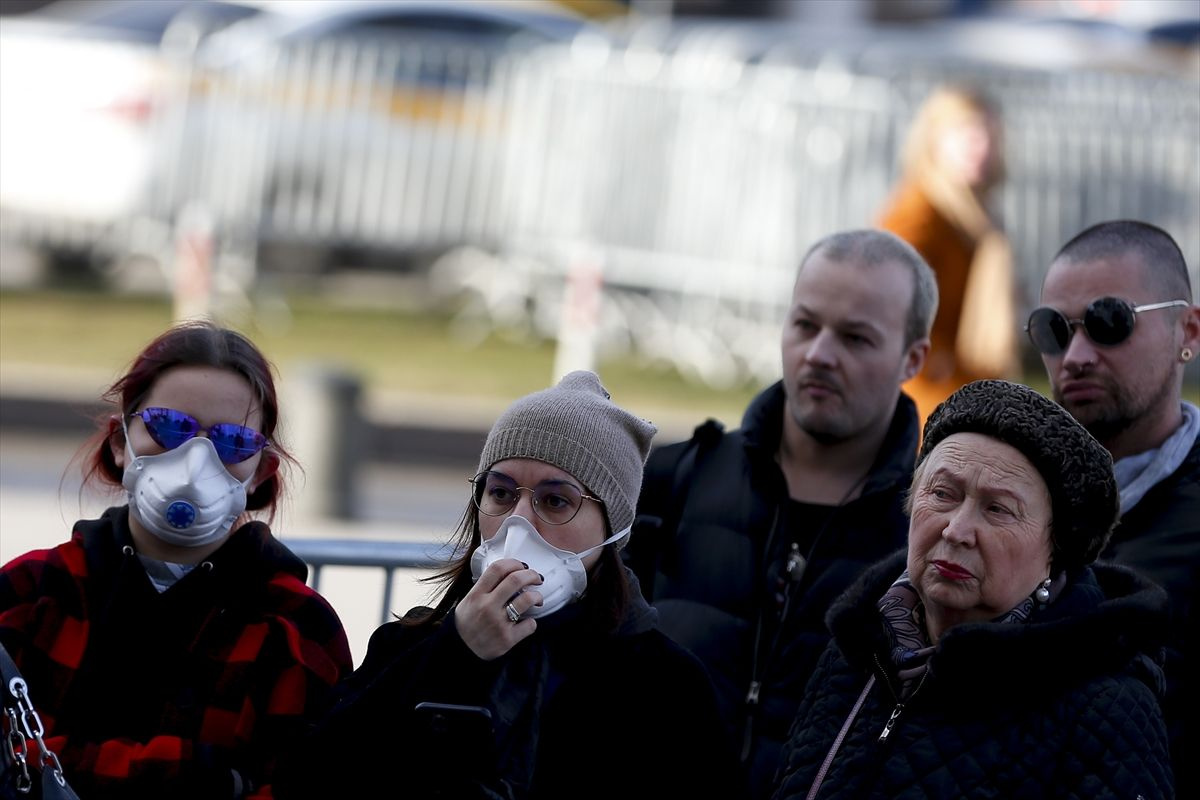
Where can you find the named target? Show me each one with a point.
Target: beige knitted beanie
(577, 428)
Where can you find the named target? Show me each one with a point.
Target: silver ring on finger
(514, 616)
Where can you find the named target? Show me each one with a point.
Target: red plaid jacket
(187, 693)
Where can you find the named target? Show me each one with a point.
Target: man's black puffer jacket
(718, 573)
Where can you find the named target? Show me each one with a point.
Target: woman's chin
(953, 596)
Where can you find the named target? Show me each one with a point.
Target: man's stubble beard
(825, 429)
(1107, 420)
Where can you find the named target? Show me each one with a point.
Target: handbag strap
(8, 669)
(19, 707)
(14, 750)
(837, 743)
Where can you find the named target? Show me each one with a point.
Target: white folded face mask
(564, 577)
(185, 496)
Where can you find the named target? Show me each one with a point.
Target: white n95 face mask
(563, 575)
(184, 496)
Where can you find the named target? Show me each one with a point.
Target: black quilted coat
(1063, 706)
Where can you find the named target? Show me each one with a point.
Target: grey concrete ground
(40, 498)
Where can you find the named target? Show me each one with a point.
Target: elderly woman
(540, 673)
(1001, 662)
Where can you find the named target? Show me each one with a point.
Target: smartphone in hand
(447, 731)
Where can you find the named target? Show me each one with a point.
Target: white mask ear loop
(609, 540)
(128, 445)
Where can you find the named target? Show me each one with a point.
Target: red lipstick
(952, 571)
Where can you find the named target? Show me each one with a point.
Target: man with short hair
(1116, 330)
(744, 539)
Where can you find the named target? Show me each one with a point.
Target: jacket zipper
(899, 709)
(750, 706)
(794, 569)
(887, 726)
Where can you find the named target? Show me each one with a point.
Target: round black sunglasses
(1108, 321)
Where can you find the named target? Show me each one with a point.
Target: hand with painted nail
(489, 617)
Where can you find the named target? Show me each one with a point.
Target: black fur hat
(1076, 468)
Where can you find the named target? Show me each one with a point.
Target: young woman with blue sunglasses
(172, 644)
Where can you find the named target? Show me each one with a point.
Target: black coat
(721, 573)
(575, 713)
(1062, 706)
(1160, 537)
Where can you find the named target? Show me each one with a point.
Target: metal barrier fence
(340, 143)
(695, 186)
(690, 182)
(388, 556)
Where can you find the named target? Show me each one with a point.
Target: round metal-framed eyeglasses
(554, 501)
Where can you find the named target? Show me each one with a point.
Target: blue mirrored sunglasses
(170, 428)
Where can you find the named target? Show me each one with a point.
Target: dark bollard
(325, 427)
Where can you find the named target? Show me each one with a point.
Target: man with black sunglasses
(1116, 331)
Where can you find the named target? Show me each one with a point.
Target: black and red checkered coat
(184, 694)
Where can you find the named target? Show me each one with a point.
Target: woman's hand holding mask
(482, 616)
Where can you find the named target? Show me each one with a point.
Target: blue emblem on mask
(181, 514)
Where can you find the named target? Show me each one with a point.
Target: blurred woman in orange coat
(951, 162)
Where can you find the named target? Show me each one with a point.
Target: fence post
(325, 424)
(193, 274)
(580, 318)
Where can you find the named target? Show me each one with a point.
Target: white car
(79, 83)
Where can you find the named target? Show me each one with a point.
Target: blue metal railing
(388, 556)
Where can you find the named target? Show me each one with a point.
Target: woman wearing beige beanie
(540, 673)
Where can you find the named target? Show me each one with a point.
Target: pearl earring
(1185, 355)
(1043, 592)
